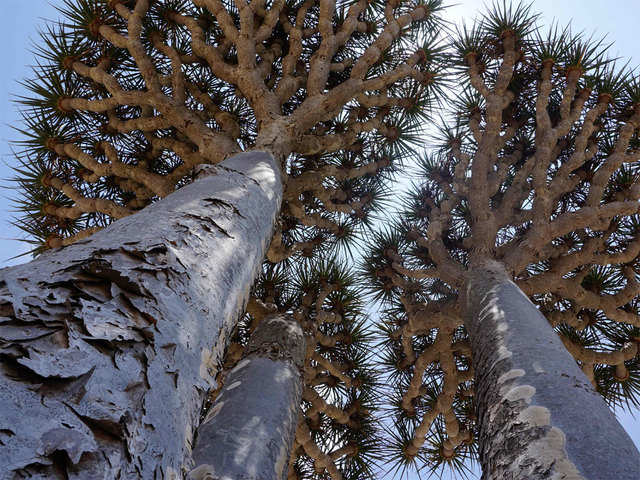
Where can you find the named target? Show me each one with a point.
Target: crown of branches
(129, 96)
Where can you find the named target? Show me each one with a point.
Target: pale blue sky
(19, 21)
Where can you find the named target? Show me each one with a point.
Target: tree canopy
(128, 97)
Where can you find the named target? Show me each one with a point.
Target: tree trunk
(107, 347)
(249, 430)
(539, 416)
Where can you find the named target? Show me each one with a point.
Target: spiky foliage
(537, 168)
(128, 96)
(337, 436)
(425, 359)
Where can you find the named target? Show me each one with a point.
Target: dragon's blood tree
(522, 236)
(336, 436)
(201, 126)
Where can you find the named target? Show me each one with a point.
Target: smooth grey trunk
(539, 416)
(108, 346)
(249, 430)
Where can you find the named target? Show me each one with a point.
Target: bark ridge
(107, 347)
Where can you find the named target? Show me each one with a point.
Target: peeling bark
(248, 432)
(107, 346)
(539, 416)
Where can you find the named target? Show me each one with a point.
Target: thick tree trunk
(249, 430)
(107, 346)
(539, 416)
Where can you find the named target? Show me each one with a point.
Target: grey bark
(539, 416)
(249, 430)
(108, 346)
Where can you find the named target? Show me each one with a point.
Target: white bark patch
(520, 392)
(538, 368)
(213, 412)
(203, 472)
(206, 358)
(510, 375)
(241, 364)
(171, 474)
(243, 452)
(188, 436)
(282, 461)
(502, 327)
(234, 385)
(285, 376)
(490, 306)
(548, 450)
(535, 415)
(491, 310)
(503, 353)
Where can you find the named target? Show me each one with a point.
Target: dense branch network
(538, 170)
(337, 434)
(130, 96)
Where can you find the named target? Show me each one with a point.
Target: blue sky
(19, 20)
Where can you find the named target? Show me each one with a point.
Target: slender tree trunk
(107, 347)
(539, 416)
(249, 430)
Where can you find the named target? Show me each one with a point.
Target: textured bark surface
(107, 346)
(249, 431)
(539, 416)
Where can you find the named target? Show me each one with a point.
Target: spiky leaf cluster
(535, 167)
(129, 96)
(337, 436)
(426, 363)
